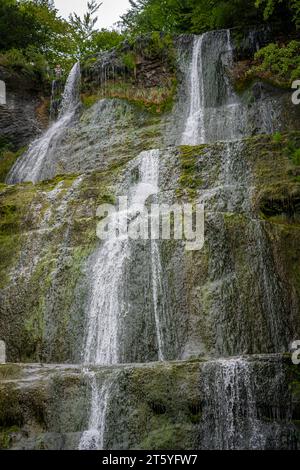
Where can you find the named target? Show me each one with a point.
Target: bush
(25, 60)
(280, 64)
(129, 60)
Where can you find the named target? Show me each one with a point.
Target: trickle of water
(93, 438)
(107, 305)
(230, 414)
(36, 164)
(150, 174)
(53, 107)
(157, 296)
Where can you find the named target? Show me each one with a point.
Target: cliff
(226, 314)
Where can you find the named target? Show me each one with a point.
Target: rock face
(154, 406)
(25, 114)
(251, 198)
(2, 352)
(220, 319)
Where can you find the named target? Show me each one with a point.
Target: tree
(105, 40)
(83, 28)
(18, 27)
(198, 16)
(271, 7)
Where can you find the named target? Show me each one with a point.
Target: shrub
(278, 63)
(25, 60)
(129, 60)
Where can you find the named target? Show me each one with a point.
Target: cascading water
(235, 414)
(107, 305)
(194, 132)
(93, 438)
(215, 112)
(36, 164)
(230, 413)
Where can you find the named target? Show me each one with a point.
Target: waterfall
(214, 111)
(53, 107)
(194, 132)
(36, 164)
(93, 438)
(212, 100)
(107, 305)
(230, 413)
(242, 409)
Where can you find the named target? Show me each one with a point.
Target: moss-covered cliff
(237, 296)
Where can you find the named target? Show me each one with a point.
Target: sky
(108, 14)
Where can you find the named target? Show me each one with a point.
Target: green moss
(33, 314)
(294, 384)
(155, 99)
(10, 407)
(14, 219)
(189, 181)
(49, 185)
(274, 160)
(277, 138)
(5, 436)
(89, 100)
(296, 157)
(165, 436)
(9, 371)
(9, 237)
(279, 202)
(7, 159)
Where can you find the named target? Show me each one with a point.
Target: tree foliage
(197, 16)
(83, 28)
(33, 33)
(34, 36)
(280, 64)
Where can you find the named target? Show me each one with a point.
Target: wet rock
(25, 114)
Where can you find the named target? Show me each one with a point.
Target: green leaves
(279, 63)
(198, 16)
(34, 38)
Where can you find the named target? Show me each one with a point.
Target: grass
(154, 99)
(7, 159)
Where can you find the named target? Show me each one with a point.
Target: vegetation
(189, 181)
(34, 37)
(292, 150)
(279, 64)
(198, 16)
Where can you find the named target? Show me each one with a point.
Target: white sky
(108, 14)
